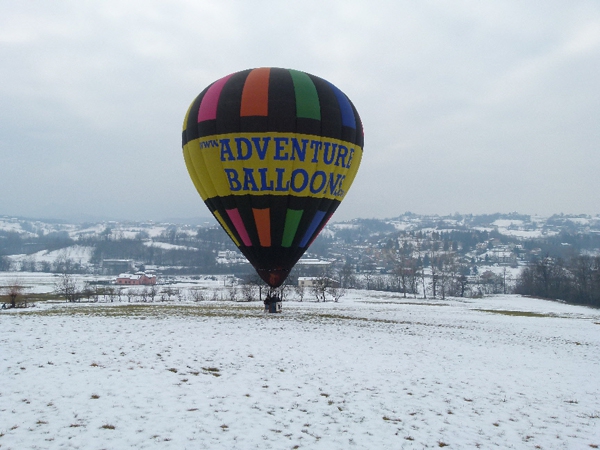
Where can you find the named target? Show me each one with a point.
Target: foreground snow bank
(374, 371)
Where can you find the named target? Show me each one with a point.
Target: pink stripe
(208, 107)
(235, 217)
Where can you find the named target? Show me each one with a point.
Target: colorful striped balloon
(272, 152)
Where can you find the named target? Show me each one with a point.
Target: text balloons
(272, 152)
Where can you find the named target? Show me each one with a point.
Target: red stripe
(262, 218)
(255, 96)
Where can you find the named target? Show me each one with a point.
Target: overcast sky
(467, 106)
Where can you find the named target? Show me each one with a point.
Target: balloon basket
(273, 305)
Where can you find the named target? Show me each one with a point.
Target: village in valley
(427, 256)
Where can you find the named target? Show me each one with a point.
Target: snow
(527, 234)
(580, 220)
(401, 226)
(10, 225)
(342, 226)
(92, 230)
(373, 371)
(155, 231)
(77, 253)
(167, 246)
(33, 282)
(505, 223)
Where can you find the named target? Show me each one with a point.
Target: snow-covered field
(374, 371)
(76, 253)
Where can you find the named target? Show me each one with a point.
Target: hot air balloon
(272, 152)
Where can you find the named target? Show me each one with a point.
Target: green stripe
(292, 220)
(307, 99)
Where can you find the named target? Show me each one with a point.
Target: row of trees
(446, 282)
(436, 270)
(71, 289)
(575, 279)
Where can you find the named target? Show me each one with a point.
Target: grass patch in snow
(332, 316)
(404, 303)
(153, 310)
(160, 311)
(390, 419)
(214, 371)
(516, 313)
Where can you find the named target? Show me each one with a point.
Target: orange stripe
(255, 96)
(262, 218)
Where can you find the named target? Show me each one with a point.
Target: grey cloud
(468, 106)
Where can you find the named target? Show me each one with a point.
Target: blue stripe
(311, 229)
(348, 119)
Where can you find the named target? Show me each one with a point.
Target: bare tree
(435, 263)
(109, 292)
(232, 293)
(144, 294)
(319, 288)
(461, 285)
(167, 293)
(152, 292)
(248, 292)
(336, 293)
(420, 269)
(423, 283)
(368, 280)
(178, 294)
(197, 295)
(347, 276)
(4, 264)
(130, 294)
(15, 293)
(66, 287)
(400, 256)
(448, 273)
(505, 278)
(283, 291)
(300, 291)
(29, 264)
(87, 292)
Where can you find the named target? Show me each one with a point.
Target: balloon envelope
(272, 152)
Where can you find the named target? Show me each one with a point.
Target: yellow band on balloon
(272, 164)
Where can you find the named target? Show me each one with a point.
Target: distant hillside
(415, 254)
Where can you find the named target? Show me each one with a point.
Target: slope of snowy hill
(107, 229)
(76, 254)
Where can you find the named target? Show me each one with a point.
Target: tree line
(574, 279)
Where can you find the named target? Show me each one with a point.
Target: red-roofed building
(139, 278)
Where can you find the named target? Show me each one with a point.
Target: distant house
(136, 279)
(116, 266)
(230, 257)
(312, 281)
(313, 262)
